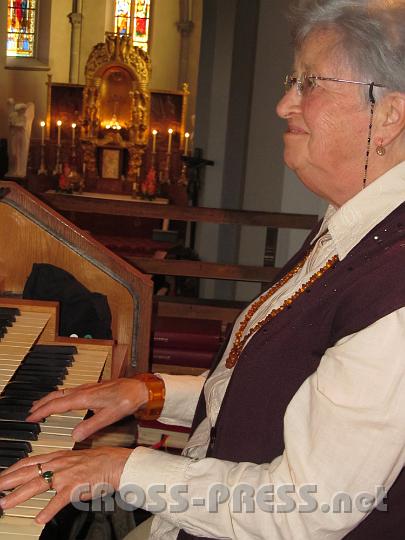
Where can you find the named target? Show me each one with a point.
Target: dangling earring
(380, 150)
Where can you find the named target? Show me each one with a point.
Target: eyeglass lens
(302, 83)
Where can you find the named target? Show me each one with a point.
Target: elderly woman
(299, 430)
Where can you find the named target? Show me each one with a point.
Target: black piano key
(57, 371)
(7, 461)
(22, 387)
(11, 316)
(6, 321)
(20, 445)
(18, 434)
(57, 361)
(9, 311)
(55, 349)
(4, 409)
(16, 392)
(16, 413)
(37, 379)
(12, 408)
(13, 452)
(14, 402)
(20, 426)
(29, 361)
(50, 356)
(41, 371)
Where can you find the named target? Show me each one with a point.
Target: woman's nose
(290, 103)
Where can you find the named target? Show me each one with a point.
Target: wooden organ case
(32, 232)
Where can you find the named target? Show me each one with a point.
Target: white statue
(20, 117)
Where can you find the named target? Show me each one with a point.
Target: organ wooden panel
(31, 232)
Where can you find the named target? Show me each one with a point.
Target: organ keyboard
(29, 367)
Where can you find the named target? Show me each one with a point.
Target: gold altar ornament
(116, 102)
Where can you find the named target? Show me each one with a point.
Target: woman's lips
(296, 130)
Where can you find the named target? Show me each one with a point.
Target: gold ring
(40, 471)
(48, 476)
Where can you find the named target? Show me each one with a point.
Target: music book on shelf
(184, 333)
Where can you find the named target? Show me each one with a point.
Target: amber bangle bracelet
(156, 396)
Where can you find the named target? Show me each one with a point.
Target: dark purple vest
(367, 285)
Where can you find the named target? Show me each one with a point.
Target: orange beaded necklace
(240, 340)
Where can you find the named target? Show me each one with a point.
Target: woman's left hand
(71, 470)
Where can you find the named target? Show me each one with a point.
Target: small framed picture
(111, 163)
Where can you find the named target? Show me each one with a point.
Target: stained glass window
(122, 16)
(133, 17)
(21, 27)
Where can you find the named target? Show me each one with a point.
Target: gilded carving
(116, 101)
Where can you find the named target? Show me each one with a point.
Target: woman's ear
(390, 117)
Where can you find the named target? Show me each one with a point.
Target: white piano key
(22, 527)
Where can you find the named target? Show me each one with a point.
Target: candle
(154, 133)
(73, 133)
(42, 124)
(59, 124)
(186, 137)
(169, 144)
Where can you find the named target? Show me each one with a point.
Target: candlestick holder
(165, 177)
(136, 185)
(183, 179)
(73, 158)
(58, 164)
(154, 160)
(42, 167)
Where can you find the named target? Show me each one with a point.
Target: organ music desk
(31, 232)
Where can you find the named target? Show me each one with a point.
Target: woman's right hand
(110, 401)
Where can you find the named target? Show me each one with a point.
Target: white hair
(372, 35)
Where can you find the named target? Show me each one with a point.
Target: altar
(114, 135)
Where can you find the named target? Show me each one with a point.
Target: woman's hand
(84, 469)
(110, 401)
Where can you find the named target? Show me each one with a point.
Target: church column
(184, 26)
(75, 19)
(227, 65)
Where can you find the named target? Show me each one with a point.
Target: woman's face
(326, 138)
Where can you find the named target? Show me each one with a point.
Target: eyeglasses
(305, 83)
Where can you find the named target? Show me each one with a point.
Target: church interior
(152, 139)
(144, 202)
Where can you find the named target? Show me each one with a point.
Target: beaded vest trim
(240, 339)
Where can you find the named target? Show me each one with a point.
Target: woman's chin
(291, 161)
